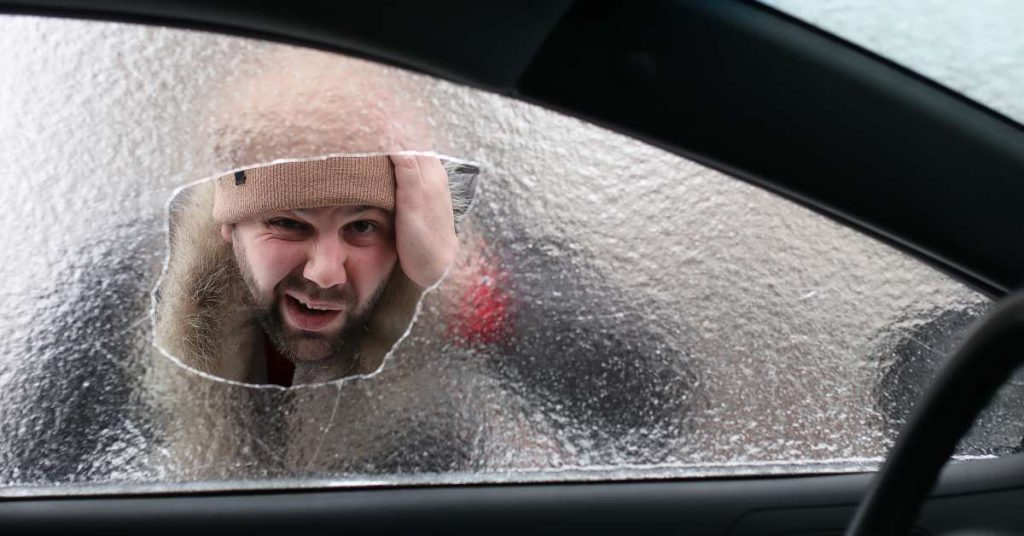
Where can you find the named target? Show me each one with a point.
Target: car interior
(737, 86)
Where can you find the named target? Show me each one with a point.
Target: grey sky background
(975, 48)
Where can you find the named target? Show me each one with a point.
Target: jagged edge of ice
(167, 257)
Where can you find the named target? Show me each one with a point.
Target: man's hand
(424, 226)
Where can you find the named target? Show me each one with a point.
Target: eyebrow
(352, 210)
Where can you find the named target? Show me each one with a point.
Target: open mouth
(309, 317)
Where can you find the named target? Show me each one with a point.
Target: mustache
(337, 294)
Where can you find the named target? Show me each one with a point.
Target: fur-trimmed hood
(201, 313)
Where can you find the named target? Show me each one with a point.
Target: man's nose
(326, 263)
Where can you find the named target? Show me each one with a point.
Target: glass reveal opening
(305, 272)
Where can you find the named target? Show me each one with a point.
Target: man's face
(315, 274)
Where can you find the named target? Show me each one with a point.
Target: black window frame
(939, 182)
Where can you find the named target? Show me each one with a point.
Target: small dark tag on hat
(239, 178)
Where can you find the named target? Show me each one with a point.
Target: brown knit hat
(336, 181)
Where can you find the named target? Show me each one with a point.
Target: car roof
(734, 85)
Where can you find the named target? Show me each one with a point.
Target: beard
(300, 346)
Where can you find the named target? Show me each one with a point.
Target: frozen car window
(975, 48)
(614, 311)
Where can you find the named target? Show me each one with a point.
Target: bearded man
(304, 272)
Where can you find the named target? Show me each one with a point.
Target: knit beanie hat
(336, 181)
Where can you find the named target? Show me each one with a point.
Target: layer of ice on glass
(615, 312)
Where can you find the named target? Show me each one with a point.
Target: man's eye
(363, 227)
(287, 224)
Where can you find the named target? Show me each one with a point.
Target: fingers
(407, 170)
(433, 171)
(412, 171)
(424, 225)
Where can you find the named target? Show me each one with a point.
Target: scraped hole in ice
(234, 300)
